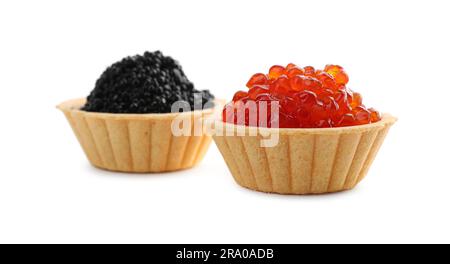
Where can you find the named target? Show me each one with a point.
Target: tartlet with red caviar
(325, 137)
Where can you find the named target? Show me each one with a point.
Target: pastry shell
(305, 161)
(136, 142)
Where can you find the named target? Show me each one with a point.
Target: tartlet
(305, 161)
(136, 142)
(126, 123)
(326, 138)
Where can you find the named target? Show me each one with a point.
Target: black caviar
(148, 83)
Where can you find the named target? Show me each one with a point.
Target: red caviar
(306, 97)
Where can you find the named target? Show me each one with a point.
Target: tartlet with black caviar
(126, 123)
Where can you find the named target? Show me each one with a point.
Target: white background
(397, 56)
